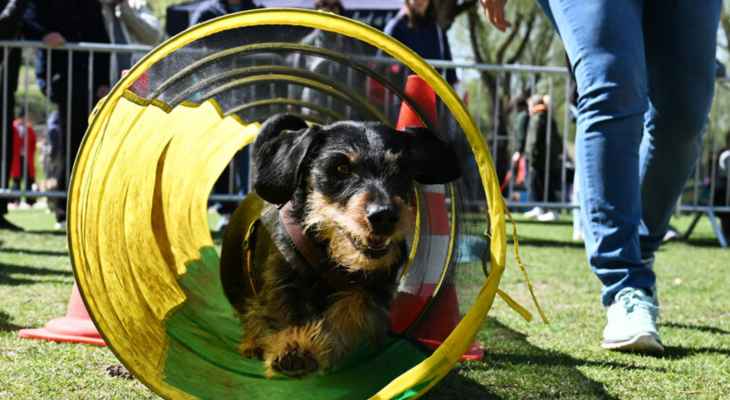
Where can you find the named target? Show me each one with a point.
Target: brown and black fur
(349, 187)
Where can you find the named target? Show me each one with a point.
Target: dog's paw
(295, 362)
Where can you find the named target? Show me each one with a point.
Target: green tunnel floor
(202, 358)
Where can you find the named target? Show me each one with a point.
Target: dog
(315, 278)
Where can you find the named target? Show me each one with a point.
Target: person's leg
(79, 116)
(680, 54)
(533, 189)
(604, 42)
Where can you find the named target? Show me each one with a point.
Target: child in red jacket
(23, 155)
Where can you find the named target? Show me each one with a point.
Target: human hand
(494, 10)
(54, 39)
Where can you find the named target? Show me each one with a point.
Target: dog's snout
(382, 218)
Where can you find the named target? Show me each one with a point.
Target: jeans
(645, 74)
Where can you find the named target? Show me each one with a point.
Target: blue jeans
(645, 73)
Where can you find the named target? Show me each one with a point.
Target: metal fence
(489, 91)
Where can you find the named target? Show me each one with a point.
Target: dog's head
(350, 183)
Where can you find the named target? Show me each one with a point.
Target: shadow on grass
(6, 325)
(704, 242)
(54, 232)
(677, 352)
(456, 386)
(539, 242)
(700, 328)
(6, 270)
(564, 222)
(34, 252)
(515, 369)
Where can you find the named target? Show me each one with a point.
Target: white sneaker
(534, 213)
(547, 217)
(61, 226)
(670, 235)
(631, 323)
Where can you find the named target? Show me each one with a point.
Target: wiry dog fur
(349, 187)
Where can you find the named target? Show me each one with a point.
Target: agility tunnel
(143, 255)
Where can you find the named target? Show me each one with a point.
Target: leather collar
(304, 245)
(336, 276)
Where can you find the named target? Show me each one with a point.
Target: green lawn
(524, 360)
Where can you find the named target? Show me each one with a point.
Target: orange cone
(75, 327)
(443, 314)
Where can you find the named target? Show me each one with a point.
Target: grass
(523, 361)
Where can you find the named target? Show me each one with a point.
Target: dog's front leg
(350, 321)
(296, 351)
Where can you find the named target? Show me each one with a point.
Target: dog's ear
(432, 160)
(279, 151)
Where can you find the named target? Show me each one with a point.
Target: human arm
(494, 10)
(140, 21)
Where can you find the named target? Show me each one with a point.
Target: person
(515, 176)
(205, 11)
(129, 22)
(56, 22)
(210, 9)
(10, 27)
(333, 70)
(415, 26)
(22, 167)
(542, 145)
(645, 73)
(722, 186)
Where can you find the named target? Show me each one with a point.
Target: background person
(22, 166)
(416, 26)
(542, 157)
(722, 189)
(10, 27)
(208, 10)
(331, 69)
(57, 22)
(129, 22)
(645, 73)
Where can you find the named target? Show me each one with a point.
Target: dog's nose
(382, 218)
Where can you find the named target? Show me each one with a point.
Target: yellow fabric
(121, 238)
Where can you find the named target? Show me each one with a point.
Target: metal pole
(548, 143)
(69, 106)
(6, 63)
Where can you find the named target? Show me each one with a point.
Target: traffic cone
(75, 327)
(443, 313)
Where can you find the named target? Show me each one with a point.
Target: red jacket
(16, 170)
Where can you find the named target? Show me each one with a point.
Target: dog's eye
(344, 169)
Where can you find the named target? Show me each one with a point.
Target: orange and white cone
(418, 288)
(75, 327)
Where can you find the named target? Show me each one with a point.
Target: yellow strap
(504, 296)
(517, 307)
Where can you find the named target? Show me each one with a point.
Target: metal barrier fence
(491, 90)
